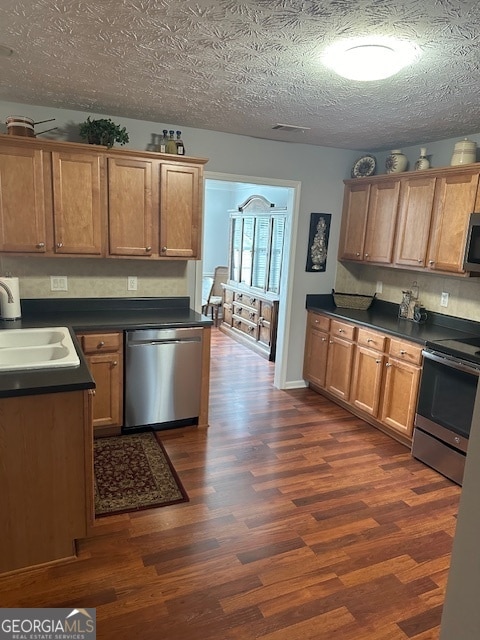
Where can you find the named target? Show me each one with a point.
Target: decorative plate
(364, 166)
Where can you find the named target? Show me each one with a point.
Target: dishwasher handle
(142, 343)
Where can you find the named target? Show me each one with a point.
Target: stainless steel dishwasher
(163, 371)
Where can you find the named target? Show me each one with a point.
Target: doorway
(224, 192)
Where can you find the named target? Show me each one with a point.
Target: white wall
(320, 171)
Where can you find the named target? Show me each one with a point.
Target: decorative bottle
(171, 144)
(180, 145)
(423, 162)
(163, 142)
(396, 162)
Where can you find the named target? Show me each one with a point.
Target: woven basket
(352, 300)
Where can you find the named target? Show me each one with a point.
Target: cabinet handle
(114, 363)
(331, 341)
(164, 249)
(369, 339)
(150, 248)
(100, 344)
(324, 339)
(378, 361)
(388, 364)
(40, 245)
(402, 352)
(59, 245)
(340, 331)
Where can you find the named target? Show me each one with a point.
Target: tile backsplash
(92, 278)
(464, 293)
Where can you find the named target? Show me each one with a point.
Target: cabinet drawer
(317, 321)
(246, 299)
(245, 326)
(404, 350)
(98, 342)
(371, 339)
(342, 330)
(245, 312)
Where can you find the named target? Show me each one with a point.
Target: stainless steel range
(448, 388)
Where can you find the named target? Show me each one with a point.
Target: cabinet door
(316, 350)
(399, 399)
(454, 201)
(415, 215)
(77, 203)
(354, 221)
(180, 210)
(22, 202)
(382, 214)
(339, 366)
(132, 212)
(367, 380)
(106, 369)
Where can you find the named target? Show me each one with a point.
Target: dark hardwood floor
(304, 523)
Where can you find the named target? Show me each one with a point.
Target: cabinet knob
(59, 245)
(331, 341)
(419, 261)
(388, 364)
(150, 248)
(324, 339)
(369, 340)
(367, 255)
(456, 439)
(41, 245)
(431, 262)
(402, 352)
(340, 331)
(378, 361)
(164, 249)
(114, 363)
(357, 254)
(101, 344)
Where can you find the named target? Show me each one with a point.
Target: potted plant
(103, 131)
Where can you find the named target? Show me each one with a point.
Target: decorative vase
(396, 162)
(423, 162)
(464, 152)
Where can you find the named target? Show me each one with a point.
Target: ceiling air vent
(290, 127)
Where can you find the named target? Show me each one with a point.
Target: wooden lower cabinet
(374, 375)
(46, 477)
(104, 354)
(251, 318)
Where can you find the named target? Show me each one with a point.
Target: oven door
(446, 399)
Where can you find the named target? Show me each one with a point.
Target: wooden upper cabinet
(131, 207)
(368, 221)
(23, 206)
(414, 221)
(354, 221)
(381, 220)
(180, 210)
(455, 198)
(77, 202)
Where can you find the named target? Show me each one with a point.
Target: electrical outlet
(58, 283)
(379, 287)
(132, 283)
(444, 299)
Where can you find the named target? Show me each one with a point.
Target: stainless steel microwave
(472, 249)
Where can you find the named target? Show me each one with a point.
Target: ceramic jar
(423, 162)
(396, 162)
(464, 152)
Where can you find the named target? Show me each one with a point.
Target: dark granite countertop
(384, 316)
(89, 314)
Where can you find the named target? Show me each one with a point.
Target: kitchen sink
(38, 348)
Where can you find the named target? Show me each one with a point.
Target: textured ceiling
(243, 66)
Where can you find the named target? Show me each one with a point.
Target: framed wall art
(318, 242)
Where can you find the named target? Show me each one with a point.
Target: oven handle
(448, 361)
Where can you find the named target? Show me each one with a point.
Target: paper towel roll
(10, 310)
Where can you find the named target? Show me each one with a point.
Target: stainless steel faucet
(8, 290)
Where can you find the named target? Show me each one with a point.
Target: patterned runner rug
(134, 472)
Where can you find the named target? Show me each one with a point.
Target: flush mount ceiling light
(367, 59)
